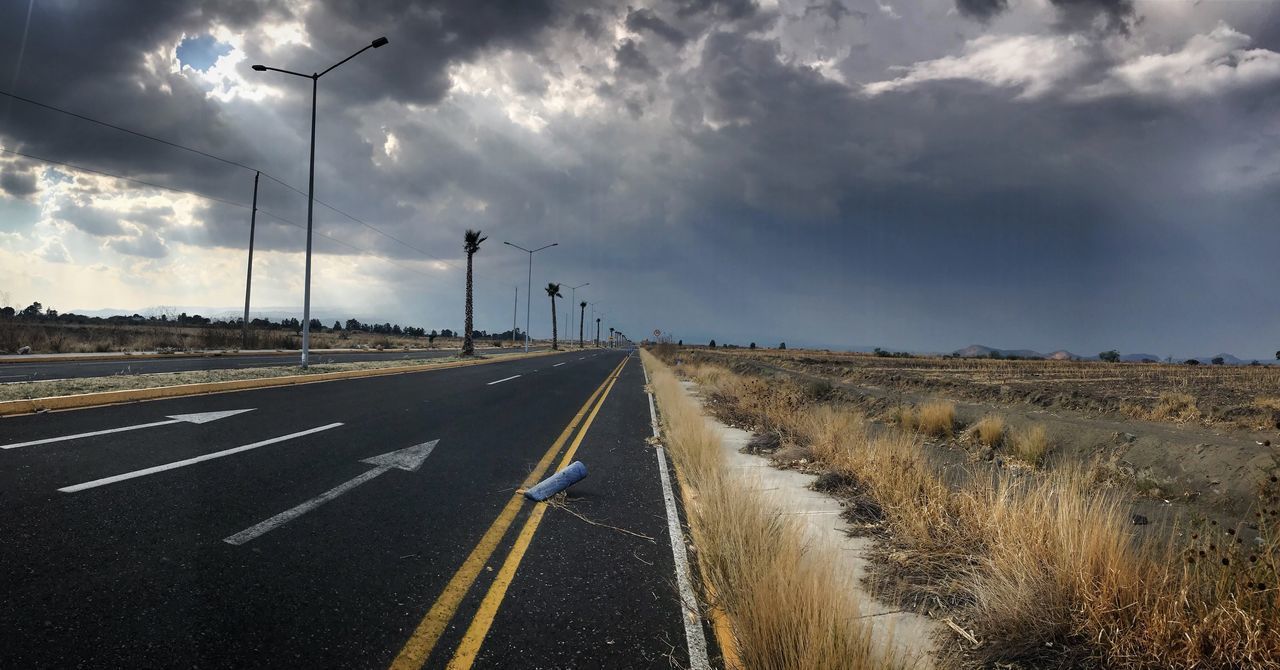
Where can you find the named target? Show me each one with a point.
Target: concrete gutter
(82, 400)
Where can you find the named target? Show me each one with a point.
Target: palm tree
(470, 244)
(553, 290)
(583, 313)
(597, 333)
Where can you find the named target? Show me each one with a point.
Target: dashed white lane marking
(694, 637)
(557, 365)
(504, 380)
(190, 461)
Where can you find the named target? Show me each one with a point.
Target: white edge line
(502, 380)
(694, 637)
(190, 461)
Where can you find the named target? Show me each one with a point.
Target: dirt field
(1192, 440)
(1246, 397)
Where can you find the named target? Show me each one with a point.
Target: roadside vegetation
(61, 387)
(1039, 567)
(783, 601)
(40, 330)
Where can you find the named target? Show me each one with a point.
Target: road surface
(11, 372)
(361, 523)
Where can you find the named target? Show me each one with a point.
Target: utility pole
(515, 304)
(248, 281)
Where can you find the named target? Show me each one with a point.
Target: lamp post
(311, 187)
(573, 300)
(529, 289)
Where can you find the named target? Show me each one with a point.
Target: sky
(917, 175)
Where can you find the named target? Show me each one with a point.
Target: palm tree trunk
(582, 312)
(468, 347)
(553, 323)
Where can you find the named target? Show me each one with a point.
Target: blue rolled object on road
(558, 482)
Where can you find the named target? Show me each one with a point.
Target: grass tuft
(937, 419)
(1031, 445)
(989, 431)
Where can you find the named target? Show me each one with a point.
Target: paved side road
(322, 527)
(11, 372)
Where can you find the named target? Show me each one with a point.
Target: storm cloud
(1081, 174)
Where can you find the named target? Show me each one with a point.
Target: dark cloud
(982, 10)
(16, 182)
(1105, 15)
(645, 20)
(632, 62)
(835, 10)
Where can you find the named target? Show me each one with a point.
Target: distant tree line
(38, 313)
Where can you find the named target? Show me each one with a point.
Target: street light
(573, 301)
(527, 301)
(311, 188)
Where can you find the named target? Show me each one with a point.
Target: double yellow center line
(424, 638)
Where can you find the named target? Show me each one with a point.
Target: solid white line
(190, 461)
(286, 516)
(80, 435)
(557, 365)
(13, 376)
(694, 637)
(502, 380)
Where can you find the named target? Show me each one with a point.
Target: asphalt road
(11, 372)
(277, 538)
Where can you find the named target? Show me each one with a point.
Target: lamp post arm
(331, 67)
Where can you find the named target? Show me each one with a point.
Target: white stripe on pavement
(96, 432)
(694, 637)
(502, 380)
(291, 514)
(190, 461)
(557, 365)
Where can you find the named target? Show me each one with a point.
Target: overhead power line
(220, 159)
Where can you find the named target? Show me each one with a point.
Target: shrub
(1112, 356)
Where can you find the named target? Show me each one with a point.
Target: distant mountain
(1228, 359)
(1062, 355)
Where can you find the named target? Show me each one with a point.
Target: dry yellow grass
(937, 419)
(1045, 568)
(1030, 445)
(989, 431)
(783, 599)
(1272, 403)
(1180, 407)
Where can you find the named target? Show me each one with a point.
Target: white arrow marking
(405, 459)
(190, 461)
(503, 380)
(204, 417)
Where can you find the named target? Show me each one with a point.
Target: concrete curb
(82, 400)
